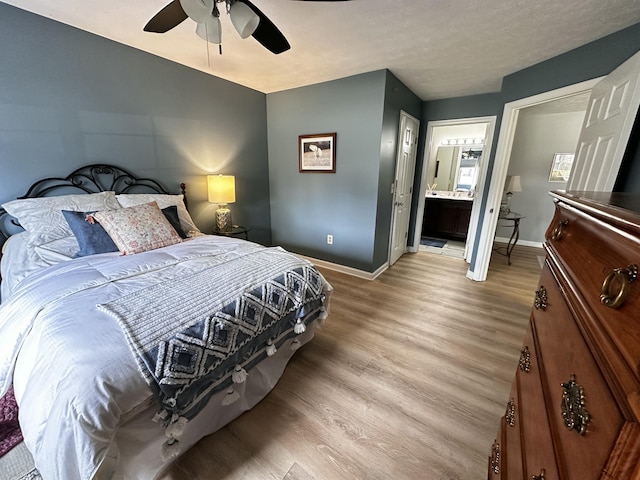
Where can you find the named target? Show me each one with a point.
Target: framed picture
(317, 153)
(561, 167)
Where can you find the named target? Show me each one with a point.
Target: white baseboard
(526, 243)
(348, 270)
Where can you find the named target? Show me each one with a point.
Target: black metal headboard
(88, 179)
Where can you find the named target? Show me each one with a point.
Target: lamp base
(509, 195)
(223, 219)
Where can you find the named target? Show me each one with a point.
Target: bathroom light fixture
(462, 141)
(222, 190)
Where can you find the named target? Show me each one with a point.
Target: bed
(123, 358)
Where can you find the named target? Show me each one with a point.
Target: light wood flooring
(407, 380)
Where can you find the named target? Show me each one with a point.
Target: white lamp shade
(244, 19)
(221, 188)
(514, 184)
(210, 30)
(197, 10)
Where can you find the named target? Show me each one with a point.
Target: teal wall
(589, 61)
(453, 108)
(354, 203)
(69, 98)
(397, 98)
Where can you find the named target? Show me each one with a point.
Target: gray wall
(589, 61)
(448, 109)
(354, 203)
(397, 97)
(69, 98)
(537, 138)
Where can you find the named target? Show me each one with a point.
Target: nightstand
(236, 231)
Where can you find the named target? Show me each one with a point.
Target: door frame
(399, 150)
(482, 176)
(501, 165)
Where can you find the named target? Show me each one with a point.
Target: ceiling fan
(247, 19)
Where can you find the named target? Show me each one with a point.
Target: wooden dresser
(574, 407)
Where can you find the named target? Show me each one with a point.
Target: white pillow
(163, 201)
(58, 250)
(43, 219)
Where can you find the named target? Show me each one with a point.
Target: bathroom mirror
(456, 168)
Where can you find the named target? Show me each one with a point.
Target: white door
(403, 185)
(607, 125)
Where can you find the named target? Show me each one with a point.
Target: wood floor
(407, 380)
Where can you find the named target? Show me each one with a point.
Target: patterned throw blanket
(10, 433)
(195, 336)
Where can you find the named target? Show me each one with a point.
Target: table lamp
(513, 186)
(222, 190)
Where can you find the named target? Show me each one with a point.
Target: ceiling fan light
(210, 30)
(243, 18)
(197, 10)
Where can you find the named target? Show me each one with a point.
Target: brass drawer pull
(624, 277)
(539, 477)
(575, 415)
(525, 360)
(557, 232)
(510, 414)
(540, 302)
(495, 457)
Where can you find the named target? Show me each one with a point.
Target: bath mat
(432, 242)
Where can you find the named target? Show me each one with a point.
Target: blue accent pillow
(171, 214)
(92, 237)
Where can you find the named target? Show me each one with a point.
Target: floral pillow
(138, 229)
(163, 201)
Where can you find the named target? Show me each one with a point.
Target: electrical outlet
(329, 239)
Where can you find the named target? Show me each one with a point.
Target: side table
(513, 218)
(237, 231)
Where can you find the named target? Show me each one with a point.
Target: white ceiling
(438, 48)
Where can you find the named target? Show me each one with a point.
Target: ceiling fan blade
(267, 33)
(170, 16)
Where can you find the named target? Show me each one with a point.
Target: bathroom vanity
(447, 215)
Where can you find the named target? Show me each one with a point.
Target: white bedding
(19, 260)
(74, 377)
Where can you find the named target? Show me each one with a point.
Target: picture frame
(317, 153)
(561, 167)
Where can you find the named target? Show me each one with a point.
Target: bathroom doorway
(452, 184)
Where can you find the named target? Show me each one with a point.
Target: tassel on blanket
(271, 348)
(299, 327)
(239, 374)
(160, 416)
(322, 316)
(175, 429)
(295, 345)
(230, 397)
(170, 449)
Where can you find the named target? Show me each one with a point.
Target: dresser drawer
(568, 370)
(512, 456)
(537, 443)
(591, 250)
(505, 461)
